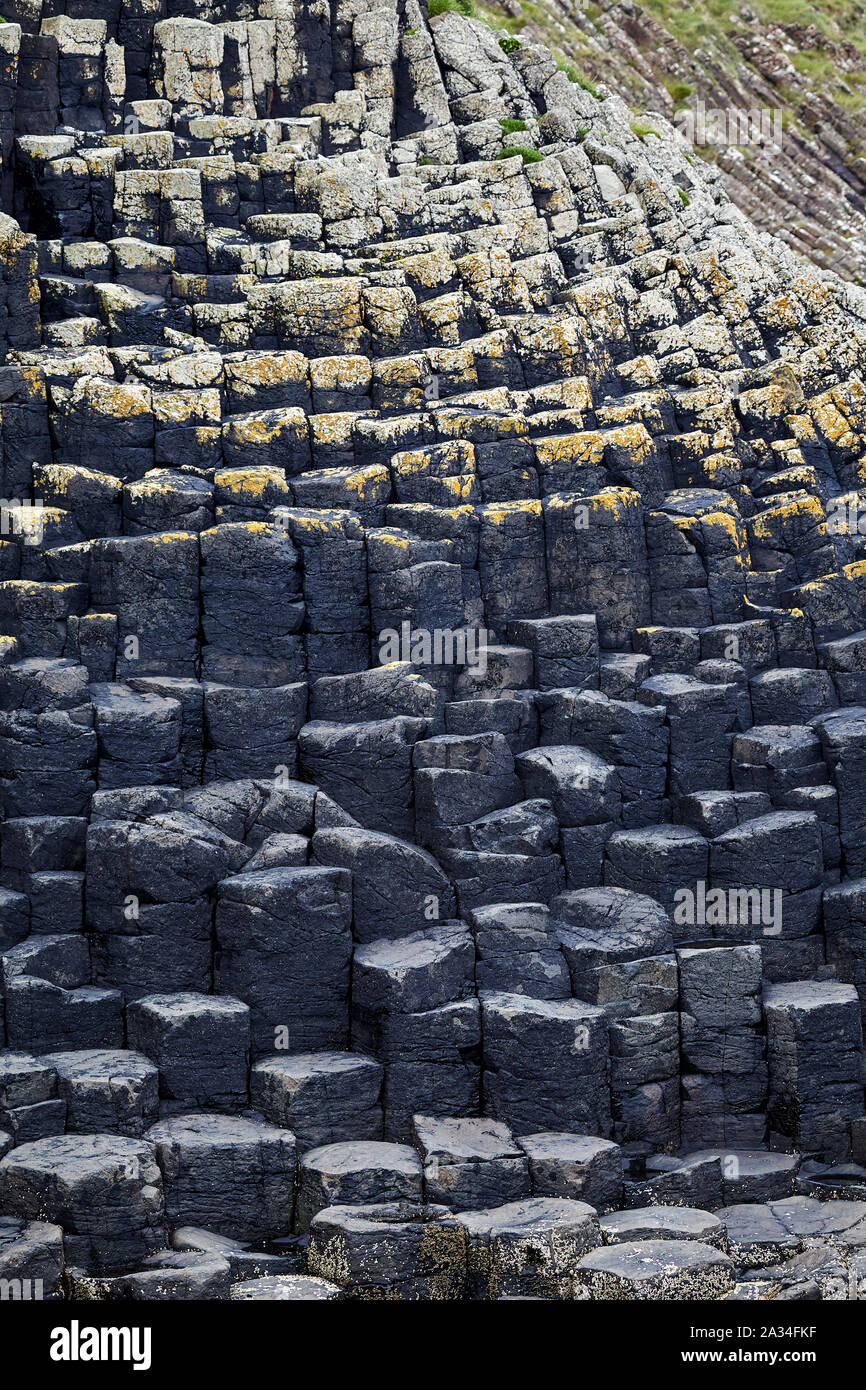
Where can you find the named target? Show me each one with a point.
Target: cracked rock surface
(432, 682)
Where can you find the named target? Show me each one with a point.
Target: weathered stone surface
(200, 1045)
(356, 1173)
(663, 1223)
(470, 1162)
(113, 1092)
(32, 1252)
(285, 1288)
(398, 1250)
(574, 1166)
(528, 1249)
(432, 628)
(654, 1269)
(204, 1157)
(322, 1097)
(105, 1191)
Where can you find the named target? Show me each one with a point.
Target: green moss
(510, 45)
(425, 159)
(510, 126)
(528, 155)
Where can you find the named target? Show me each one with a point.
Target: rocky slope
(806, 63)
(432, 681)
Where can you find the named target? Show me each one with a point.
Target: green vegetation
(510, 126)
(641, 130)
(553, 29)
(582, 132)
(716, 20)
(510, 45)
(528, 155)
(820, 70)
(425, 159)
(465, 7)
(575, 75)
(815, 66)
(684, 197)
(679, 91)
(790, 11)
(495, 20)
(691, 25)
(711, 25)
(851, 101)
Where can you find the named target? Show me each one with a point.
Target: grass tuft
(679, 91)
(575, 75)
(528, 155)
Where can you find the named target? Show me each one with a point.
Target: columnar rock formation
(432, 682)
(771, 92)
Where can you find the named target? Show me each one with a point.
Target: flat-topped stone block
(203, 1158)
(684, 1270)
(356, 1173)
(663, 1223)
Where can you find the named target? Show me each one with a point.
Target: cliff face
(804, 63)
(432, 678)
